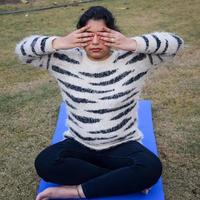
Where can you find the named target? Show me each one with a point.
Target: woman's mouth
(96, 50)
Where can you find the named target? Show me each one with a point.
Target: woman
(100, 73)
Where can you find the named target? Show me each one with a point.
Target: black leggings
(127, 168)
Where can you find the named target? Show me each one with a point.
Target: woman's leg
(126, 168)
(67, 163)
(133, 169)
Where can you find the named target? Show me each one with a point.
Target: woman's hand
(117, 40)
(77, 38)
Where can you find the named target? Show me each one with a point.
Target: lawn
(29, 97)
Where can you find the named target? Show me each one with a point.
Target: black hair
(97, 13)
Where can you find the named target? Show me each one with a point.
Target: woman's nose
(95, 39)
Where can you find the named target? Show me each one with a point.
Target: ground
(29, 97)
(9, 1)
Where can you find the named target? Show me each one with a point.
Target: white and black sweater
(101, 96)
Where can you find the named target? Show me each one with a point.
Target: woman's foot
(146, 191)
(80, 191)
(60, 192)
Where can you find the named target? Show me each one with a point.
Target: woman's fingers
(108, 29)
(106, 34)
(111, 45)
(84, 28)
(108, 44)
(112, 39)
(80, 35)
(85, 39)
(81, 44)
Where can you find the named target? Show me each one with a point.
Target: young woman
(100, 73)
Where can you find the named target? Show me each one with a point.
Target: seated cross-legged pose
(100, 73)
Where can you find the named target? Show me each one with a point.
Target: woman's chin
(96, 56)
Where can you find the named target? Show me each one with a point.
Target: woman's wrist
(133, 45)
(57, 43)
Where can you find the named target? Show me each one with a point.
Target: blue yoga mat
(145, 124)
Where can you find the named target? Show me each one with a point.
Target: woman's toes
(43, 195)
(146, 191)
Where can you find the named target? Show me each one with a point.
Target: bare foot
(146, 191)
(60, 192)
(80, 191)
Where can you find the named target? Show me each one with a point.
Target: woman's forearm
(35, 46)
(35, 50)
(159, 43)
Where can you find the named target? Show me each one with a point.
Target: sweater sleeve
(36, 50)
(160, 46)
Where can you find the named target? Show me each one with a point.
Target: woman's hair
(97, 13)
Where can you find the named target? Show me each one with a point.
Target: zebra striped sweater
(101, 96)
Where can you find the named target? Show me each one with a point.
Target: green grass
(29, 97)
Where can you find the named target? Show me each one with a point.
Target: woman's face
(96, 50)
